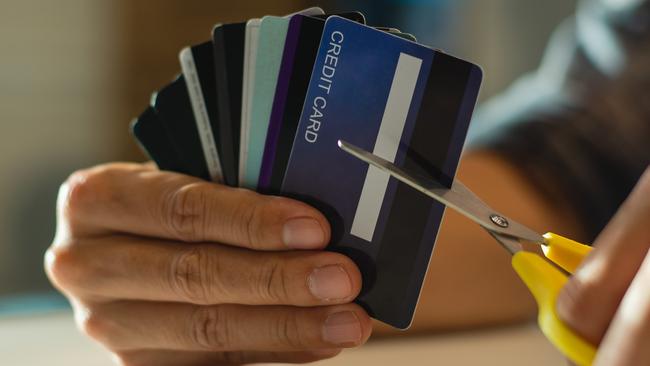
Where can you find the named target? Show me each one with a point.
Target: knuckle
(193, 276)
(184, 212)
(286, 331)
(272, 282)
(211, 328)
(84, 189)
(253, 222)
(75, 192)
(93, 325)
(254, 216)
(62, 266)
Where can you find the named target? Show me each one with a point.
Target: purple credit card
(279, 101)
(301, 46)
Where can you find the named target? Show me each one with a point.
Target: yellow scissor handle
(566, 253)
(545, 281)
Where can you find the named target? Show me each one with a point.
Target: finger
(124, 267)
(626, 341)
(593, 294)
(143, 325)
(134, 199)
(150, 165)
(184, 358)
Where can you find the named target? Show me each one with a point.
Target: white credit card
(197, 63)
(248, 80)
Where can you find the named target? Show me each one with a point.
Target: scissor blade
(458, 197)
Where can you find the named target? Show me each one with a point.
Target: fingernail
(330, 283)
(303, 233)
(342, 328)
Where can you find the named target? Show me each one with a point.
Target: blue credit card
(402, 101)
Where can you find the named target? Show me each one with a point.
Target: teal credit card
(272, 35)
(251, 39)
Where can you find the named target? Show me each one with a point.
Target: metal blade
(458, 197)
(509, 243)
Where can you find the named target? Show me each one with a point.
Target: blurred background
(73, 73)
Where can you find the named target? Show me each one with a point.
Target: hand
(607, 301)
(165, 269)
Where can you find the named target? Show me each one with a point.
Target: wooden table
(52, 340)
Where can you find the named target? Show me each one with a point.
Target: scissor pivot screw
(499, 221)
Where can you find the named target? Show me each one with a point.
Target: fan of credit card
(263, 103)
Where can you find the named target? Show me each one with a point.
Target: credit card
(197, 63)
(151, 136)
(248, 79)
(406, 36)
(303, 38)
(404, 102)
(173, 107)
(273, 33)
(228, 41)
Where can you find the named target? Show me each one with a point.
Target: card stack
(264, 102)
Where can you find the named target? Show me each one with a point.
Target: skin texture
(157, 261)
(607, 301)
(165, 269)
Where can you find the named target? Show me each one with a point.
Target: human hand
(607, 301)
(165, 269)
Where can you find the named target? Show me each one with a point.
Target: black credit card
(228, 42)
(197, 63)
(151, 136)
(173, 107)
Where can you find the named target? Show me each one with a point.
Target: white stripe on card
(201, 115)
(388, 138)
(251, 39)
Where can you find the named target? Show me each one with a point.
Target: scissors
(543, 278)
